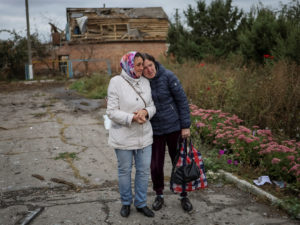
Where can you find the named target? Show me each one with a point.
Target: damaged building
(97, 38)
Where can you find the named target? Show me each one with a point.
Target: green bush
(260, 38)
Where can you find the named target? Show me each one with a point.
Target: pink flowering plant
(238, 146)
(282, 159)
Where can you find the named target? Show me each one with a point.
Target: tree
(288, 44)
(181, 43)
(13, 54)
(214, 28)
(260, 38)
(266, 32)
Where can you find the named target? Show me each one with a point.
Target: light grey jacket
(122, 102)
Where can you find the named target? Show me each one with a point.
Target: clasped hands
(140, 116)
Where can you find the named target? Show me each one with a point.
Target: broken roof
(109, 13)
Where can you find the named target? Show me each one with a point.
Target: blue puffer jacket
(172, 109)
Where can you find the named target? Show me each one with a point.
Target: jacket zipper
(172, 107)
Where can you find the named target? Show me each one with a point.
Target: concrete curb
(246, 186)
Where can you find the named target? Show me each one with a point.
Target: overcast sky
(13, 15)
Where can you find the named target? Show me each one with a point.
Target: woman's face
(138, 66)
(149, 69)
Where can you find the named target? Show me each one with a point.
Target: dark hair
(138, 54)
(149, 57)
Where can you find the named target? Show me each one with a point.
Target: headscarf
(127, 63)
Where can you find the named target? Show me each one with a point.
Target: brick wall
(111, 51)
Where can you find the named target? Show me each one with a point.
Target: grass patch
(66, 155)
(94, 87)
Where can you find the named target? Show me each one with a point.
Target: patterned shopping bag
(187, 154)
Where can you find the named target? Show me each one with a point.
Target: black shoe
(147, 212)
(158, 203)
(186, 204)
(125, 210)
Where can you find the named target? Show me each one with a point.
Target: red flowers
(266, 56)
(200, 65)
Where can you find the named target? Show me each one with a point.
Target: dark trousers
(158, 158)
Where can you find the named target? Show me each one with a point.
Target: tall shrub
(260, 38)
(180, 42)
(13, 54)
(288, 45)
(212, 31)
(269, 33)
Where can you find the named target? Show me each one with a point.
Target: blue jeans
(142, 159)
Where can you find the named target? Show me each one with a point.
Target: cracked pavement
(54, 158)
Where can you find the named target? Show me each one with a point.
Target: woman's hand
(140, 116)
(185, 133)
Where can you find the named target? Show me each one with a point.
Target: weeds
(267, 96)
(67, 155)
(93, 87)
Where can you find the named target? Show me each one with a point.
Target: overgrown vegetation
(267, 96)
(243, 63)
(13, 55)
(247, 65)
(249, 153)
(92, 87)
(220, 30)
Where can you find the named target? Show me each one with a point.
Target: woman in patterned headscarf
(130, 108)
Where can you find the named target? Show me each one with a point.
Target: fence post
(70, 69)
(108, 67)
(26, 72)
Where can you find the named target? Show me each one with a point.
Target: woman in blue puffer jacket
(172, 120)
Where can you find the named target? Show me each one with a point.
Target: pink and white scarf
(127, 63)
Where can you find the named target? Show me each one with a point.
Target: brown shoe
(186, 204)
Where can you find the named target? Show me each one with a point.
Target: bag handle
(190, 144)
(135, 91)
(183, 142)
(178, 147)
